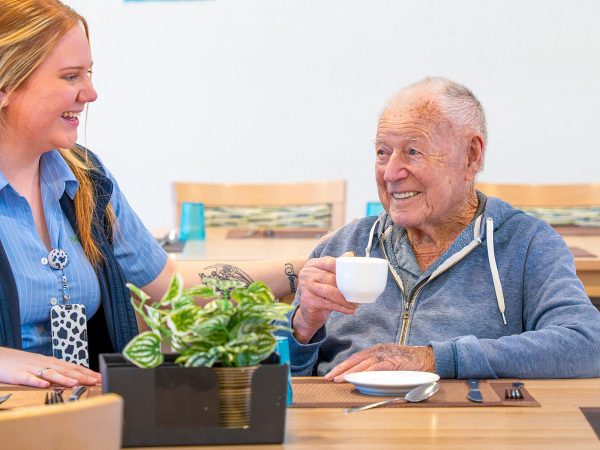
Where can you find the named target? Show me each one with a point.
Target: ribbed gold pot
(235, 394)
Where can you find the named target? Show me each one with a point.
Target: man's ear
(475, 156)
(3, 97)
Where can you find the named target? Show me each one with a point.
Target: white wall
(288, 90)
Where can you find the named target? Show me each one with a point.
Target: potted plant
(232, 333)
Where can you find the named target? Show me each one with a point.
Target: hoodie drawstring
(489, 223)
(371, 234)
(464, 252)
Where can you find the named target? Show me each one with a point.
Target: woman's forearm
(280, 275)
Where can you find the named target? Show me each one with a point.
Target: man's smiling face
(421, 164)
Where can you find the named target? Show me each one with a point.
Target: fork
(53, 398)
(514, 392)
(3, 398)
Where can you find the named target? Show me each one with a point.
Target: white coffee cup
(361, 279)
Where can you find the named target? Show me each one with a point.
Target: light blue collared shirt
(39, 286)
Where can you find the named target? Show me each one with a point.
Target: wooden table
(218, 247)
(556, 424)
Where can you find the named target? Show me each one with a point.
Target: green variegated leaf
(182, 301)
(174, 291)
(179, 344)
(216, 306)
(141, 306)
(222, 287)
(154, 316)
(278, 327)
(137, 291)
(180, 321)
(144, 350)
(201, 291)
(257, 292)
(262, 293)
(202, 359)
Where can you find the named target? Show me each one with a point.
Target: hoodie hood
(480, 230)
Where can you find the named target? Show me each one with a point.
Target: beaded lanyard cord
(58, 260)
(67, 321)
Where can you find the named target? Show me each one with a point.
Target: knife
(474, 393)
(77, 392)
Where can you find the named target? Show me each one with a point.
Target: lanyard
(58, 260)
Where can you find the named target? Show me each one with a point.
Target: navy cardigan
(114, 323)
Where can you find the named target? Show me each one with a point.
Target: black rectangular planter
(173, 405)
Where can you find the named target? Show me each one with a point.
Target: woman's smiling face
(42, 113)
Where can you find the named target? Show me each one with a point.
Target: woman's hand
(385, 357)
(319, 296)
(31, 369)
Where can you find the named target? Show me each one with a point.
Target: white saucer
(393, 382)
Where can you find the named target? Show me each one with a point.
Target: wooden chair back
(332, 193)
(544, 195)
(93, 423)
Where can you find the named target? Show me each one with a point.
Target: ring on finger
(40, 373)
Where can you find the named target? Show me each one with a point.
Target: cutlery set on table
(510, 393)
(55, 396)
(381, 384)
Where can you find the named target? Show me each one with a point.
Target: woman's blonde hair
(29, 30)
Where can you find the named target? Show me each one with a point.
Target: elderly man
(476, 289)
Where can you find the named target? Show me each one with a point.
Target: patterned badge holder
(68, 323)
(69, 333)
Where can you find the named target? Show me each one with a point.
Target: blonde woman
(69, 240)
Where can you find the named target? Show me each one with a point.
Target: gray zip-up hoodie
(504, 301)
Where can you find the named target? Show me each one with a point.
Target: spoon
(418, 394)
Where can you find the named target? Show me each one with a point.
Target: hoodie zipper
(408, 302)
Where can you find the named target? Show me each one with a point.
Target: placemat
(593, 417)
(579, 253)
(318, 393)
(276, 233)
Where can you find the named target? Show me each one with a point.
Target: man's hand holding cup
(362, 282)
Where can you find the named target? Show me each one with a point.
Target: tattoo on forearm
(291, 276)
(225, 272)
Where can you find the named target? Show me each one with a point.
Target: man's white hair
(455, 101)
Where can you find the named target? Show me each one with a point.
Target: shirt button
(44, 261)
(53, 301)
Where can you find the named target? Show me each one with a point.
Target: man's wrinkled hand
(385, 357)
(319, 296)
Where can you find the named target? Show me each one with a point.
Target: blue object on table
(283, 348)
(191, 226)
(374, 208)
